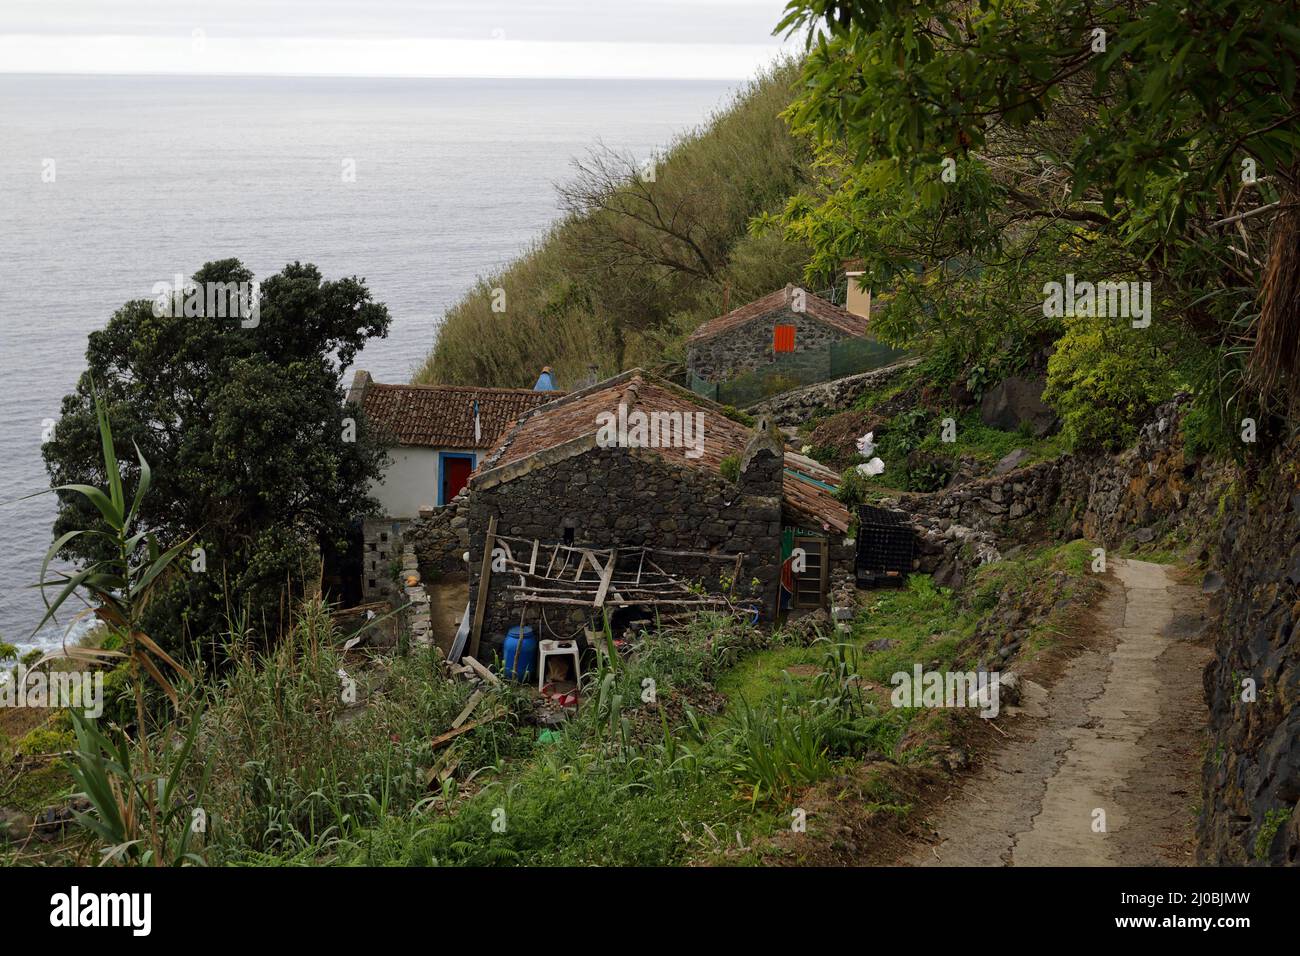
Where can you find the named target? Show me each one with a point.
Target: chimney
(763, 460)
(357, 391)
(858, 300)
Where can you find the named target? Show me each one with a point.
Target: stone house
(722, 503)
(435, 436)
(788, 322)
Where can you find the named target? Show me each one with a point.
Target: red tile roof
(575, 416)
(442, 416)
(779, 301)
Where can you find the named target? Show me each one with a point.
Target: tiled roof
(806, 502)
(442, 416)
(779, 301)
(575, 416)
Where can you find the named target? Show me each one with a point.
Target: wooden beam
(484, 584)
(473, 702)
(537, 599)
(604, 581)
(482, 671)
(532, 565)
(463, 729)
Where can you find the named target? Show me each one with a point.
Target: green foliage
(118, 791)
(330, 766)
(927, 472)
(880, 81)
(129, 568)
(1104, 380)
(730, 468)
(1060, 156)
(1274, 820)
(46, 740)
(251, 424)
(853, 488)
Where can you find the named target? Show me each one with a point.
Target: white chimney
(858, 300)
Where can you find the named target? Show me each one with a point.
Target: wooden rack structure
(589, 577)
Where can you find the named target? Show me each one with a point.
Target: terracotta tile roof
(575, 416)
(779, 301)
(442, 416)
(805, 502)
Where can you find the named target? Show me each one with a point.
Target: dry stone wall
(797, 406)
(1250, 794)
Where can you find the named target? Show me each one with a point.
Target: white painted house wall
(409, 483)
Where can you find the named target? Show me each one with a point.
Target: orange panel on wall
(783, 338)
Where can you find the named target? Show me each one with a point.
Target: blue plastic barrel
(520, 655)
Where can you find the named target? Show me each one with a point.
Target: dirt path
(1120, 732)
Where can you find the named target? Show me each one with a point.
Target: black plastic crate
(886, 545)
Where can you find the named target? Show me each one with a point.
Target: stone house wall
(749, 346)
(631, 497)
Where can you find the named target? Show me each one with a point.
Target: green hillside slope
(643, 255)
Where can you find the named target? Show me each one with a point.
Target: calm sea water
(153, 176)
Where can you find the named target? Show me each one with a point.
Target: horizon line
(374, 76)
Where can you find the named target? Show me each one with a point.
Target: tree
(1164, 130)
(254, 452)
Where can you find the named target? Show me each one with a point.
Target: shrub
(730, 468)
(1104, 380)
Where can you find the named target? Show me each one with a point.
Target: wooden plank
(473, 702)
(532, 565)
(481, 671)
(464, 729)
(604, 581)
(484, 584)
(536, 599)
(582, 564)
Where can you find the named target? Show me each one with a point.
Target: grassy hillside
(643, 255)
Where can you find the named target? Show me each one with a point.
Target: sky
(686, 39)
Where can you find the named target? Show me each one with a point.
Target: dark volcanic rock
(1017, 401)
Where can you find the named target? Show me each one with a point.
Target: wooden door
(455, 476)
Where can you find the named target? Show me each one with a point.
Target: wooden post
(484, 581)
(605, 578)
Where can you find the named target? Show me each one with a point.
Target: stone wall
(797, 406)
(417, 599)
(748, 347)
(1137, 494)
(1250, 791)
(1148, 489)
(991, 504)
(632, 497)
(440, 536)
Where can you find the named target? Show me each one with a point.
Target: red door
(455, 475)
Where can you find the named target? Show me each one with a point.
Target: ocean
(111, 184)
